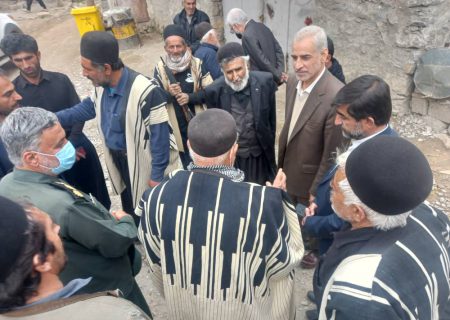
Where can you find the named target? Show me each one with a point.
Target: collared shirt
(113, 114)
(356, 143)
(308, 90)
(54, 92)
(67, 291)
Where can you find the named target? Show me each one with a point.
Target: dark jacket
(263, 88)
(208, 54)
(325, 222)
(180, 19)
(336, 70)
(5, 164)
(264, 50)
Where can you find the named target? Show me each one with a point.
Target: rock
(432, 75)
(445, 139)
(440, 109)
(419, 104)
(434, 124)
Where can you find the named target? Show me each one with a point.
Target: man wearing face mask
(250, 98)
(98, 244)
(190, 76)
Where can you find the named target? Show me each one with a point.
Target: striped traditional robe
(403, 273)
(141, 112)
(220, 249)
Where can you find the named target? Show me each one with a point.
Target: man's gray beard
(356, 134)
(241, 86)
(175, 59)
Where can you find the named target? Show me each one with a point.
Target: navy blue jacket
(5, 164)
(325, 221)
(208, 54)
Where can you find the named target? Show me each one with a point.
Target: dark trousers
(87, 174)
(29, 2)
(120, 160)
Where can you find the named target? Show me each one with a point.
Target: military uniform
(96, 244)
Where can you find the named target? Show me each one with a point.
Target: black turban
(212, 133)
(174, 30)
(13, 226)
(229, 51)
(389, 175)
(100, 47)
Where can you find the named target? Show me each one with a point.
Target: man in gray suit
(259, 43)
(309, 135)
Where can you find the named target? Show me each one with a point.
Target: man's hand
(182, 98)
(284, 77)
(80, 153)
(151, 183)
(119, 214)
(279, 181)
(309, 212)
(174, 89)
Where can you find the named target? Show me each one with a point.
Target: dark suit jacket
(308, 155)
(264, 50)
(325, 222)
(218, 95)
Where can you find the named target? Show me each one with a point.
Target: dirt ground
(58, 41)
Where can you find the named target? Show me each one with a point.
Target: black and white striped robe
(403, 273)
(220, 249)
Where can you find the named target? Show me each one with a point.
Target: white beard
(241, 85)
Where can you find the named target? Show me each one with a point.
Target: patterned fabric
(234, 174)
(221, 249)
(145, 106)
(402, 273)
(201, 79)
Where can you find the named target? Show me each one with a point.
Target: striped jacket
(144, 108)
(402, 273)
(220, 249)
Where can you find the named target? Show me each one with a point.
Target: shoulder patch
(67, 187)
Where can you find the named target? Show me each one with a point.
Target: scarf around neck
(182, 65)
(236, 175)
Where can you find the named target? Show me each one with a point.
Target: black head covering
(201, 29)
(174, 30)
(212, 133)
(389, 174)
(229, 51)
(99, 47)
(13, 225)
(330, 46)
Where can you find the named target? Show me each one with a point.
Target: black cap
(201, 29)
(229, 51)
(174, 30)
(13, 227)
(389, 174)
(99, 47)
(212, 133)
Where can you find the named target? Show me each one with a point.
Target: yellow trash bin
(87, 19)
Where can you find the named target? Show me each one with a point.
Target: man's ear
(358, 213)
(41, 266)
(30, 159)
(324, 55)
(38, 54)
(108, 69)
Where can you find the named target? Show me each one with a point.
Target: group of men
(191, 151)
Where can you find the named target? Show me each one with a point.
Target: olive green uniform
(96, 244)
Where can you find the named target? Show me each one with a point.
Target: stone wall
(386, 38)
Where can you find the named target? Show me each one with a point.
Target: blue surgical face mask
(66, 157)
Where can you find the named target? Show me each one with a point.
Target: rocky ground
(59, 43)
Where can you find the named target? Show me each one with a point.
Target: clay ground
(58, 40)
